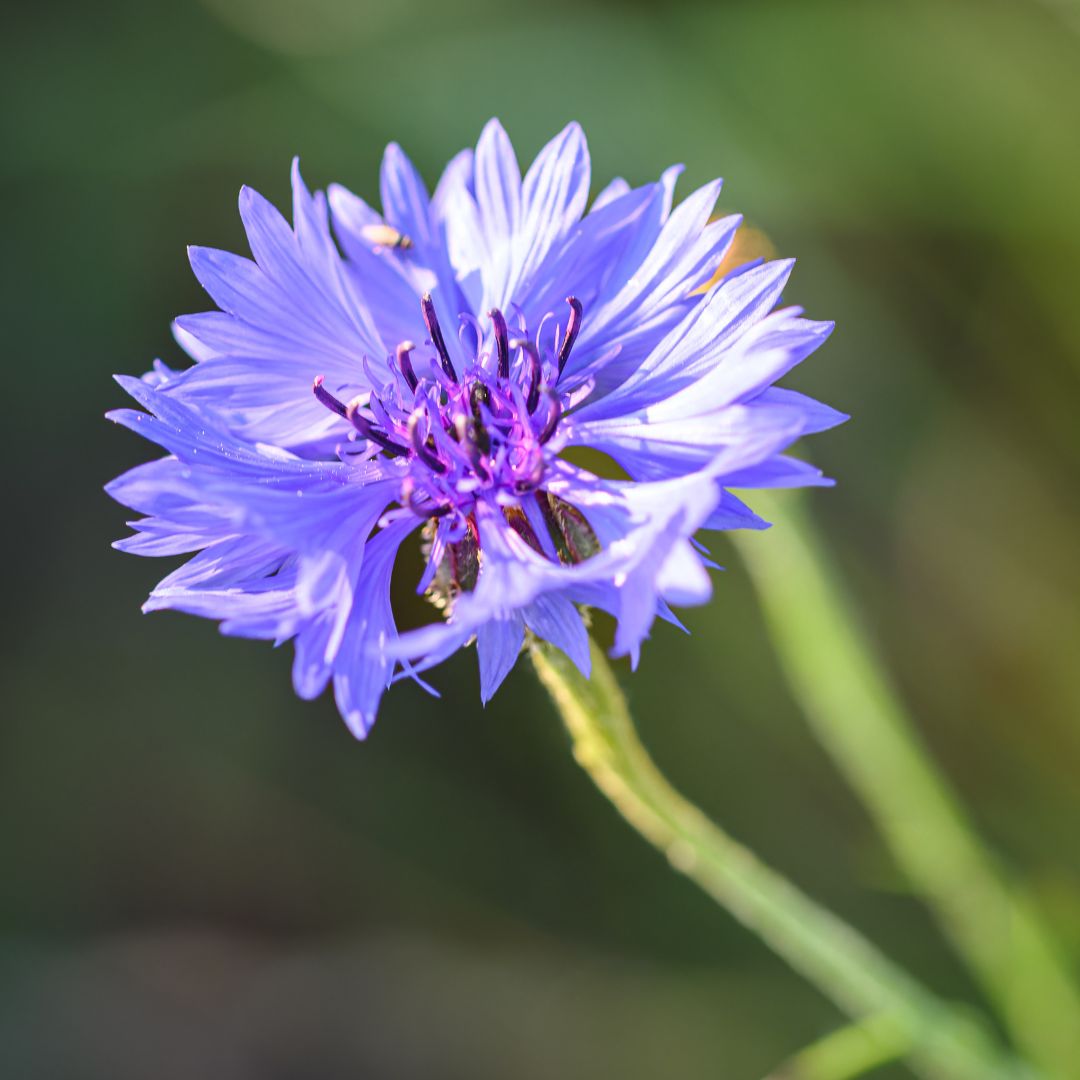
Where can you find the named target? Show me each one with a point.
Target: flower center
(485, 428)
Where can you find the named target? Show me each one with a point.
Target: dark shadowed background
(201, 876)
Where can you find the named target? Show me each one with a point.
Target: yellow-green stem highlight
(848, 1052)
(848, 969)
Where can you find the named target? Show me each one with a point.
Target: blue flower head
(414, 378)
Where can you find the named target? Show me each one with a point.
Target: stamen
(382, 417)
(405, 364)
(419, 444)
(429, 509)
(551, 420)
(536, 370)
(483, 432)
(573, 326)
(431, 321)
(502, 342)
(372, 433)
(326, 398)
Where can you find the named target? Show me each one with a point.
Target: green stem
(848, 1052)
(835, 958)
(857, 715)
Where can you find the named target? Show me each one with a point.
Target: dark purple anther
(372, 433)
(502, 342)
(326, 398)
(573, 326)
(405, 364)
(428, 510)
(551, 417)
(436, 464)
(431, 321)
(535, 372)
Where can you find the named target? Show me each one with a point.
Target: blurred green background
(201, 876)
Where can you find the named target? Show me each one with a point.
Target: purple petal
(498, 644)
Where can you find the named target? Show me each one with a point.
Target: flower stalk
(945, 1043)
(848, 1052)
(859, 718)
